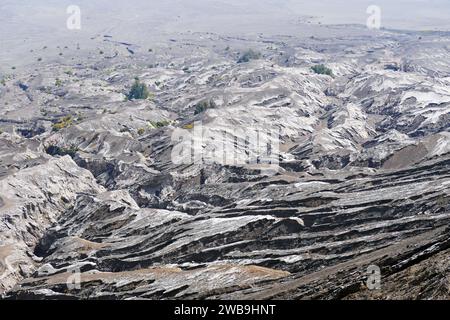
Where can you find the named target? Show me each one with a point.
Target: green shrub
(63, 123)
(249, 55)
(54, 150)
(58, 82)
(321, 69)
(160, 124)
(204, 105)
(138, 91)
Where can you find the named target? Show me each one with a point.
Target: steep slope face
(327, 231)
(31, 201)
(425, 279)
(245, 180)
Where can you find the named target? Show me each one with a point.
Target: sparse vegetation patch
(138, 91)
(54, 150)
(322, 69)
(248, 56)
(204, 105)
(63, 123)
(160, 124)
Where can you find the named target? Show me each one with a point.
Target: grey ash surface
(363, 180)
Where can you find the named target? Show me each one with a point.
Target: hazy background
(417, 14)
(28, 24)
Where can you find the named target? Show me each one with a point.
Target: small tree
(321, 69)
(55, 150)
(204, 105)
(63, 123)
(249, 55)
(138, 91)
